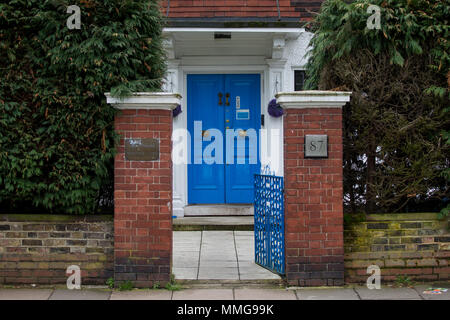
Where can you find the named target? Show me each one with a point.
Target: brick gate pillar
(313, 158)
(143, 188)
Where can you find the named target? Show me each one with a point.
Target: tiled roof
(243, 9)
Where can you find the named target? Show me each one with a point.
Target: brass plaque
(142, 149)
(316, 146)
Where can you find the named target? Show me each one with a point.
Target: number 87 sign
(316, 146)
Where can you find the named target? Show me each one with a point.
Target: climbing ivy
(56, 130)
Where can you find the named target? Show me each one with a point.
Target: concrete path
(216, 255)
(357, 293)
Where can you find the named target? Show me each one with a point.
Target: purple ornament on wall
(176, 111)
(274, 109)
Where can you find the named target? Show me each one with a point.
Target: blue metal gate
(269, 222)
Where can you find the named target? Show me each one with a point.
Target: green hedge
(396, 126)
(56, 130)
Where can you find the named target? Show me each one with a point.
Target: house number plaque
(142, 149)
(316, 146)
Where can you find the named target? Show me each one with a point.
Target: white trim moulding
(146, 100)
(313, 99)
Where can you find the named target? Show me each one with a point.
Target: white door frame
(219, 65)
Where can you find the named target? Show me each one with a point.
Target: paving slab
(387, 294)
(187, 254)
(246, 258)
(209, 273)
(185, 273)
(220, 254)
(258, 276)
(141, 295)
(206, 263)
(228, 256)
(264, 294)
(443, 296)
(25, 294)
(62, 294)
(245, 250)
(254, 269)
(217, 244)
(327, 294)
(182, 245)
(244, 243)
(185, 262)
(191, 237)
(244, 233)
(251, 271)
(203, 294)
(187, 234)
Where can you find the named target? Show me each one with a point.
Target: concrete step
(207, 223)
(218, 210)
(216, 284)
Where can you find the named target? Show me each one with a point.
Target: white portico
(273, 53)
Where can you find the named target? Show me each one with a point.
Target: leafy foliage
(126, 286)
(56, 130)
(395, 125)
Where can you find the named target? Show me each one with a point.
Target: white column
(172, 85)
(272, 152)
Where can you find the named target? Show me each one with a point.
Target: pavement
(217, 255)
(354, 293)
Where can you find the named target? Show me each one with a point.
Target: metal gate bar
(269, 222)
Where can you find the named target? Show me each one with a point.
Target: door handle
(220, 98)
(227, 99)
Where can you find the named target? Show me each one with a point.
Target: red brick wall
(143, 201)
(313, 199)
(241, 8)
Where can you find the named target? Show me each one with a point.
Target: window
(299, 80)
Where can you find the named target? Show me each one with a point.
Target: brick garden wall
(313, 199)
(412, 245)
(39, 248)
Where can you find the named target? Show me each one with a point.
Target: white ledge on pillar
(312, 99)
(146, 100)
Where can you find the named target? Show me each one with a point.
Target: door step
(233, 223)
(214, 284)
(218, 210)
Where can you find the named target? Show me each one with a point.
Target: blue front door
(223, 121)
